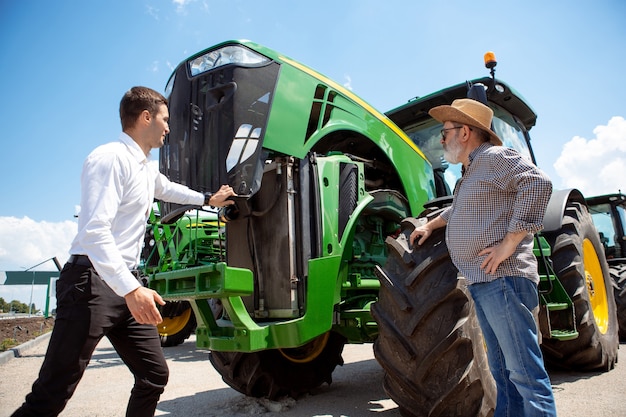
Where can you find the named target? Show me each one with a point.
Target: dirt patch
(15, 331)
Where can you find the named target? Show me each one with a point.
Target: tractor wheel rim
(308, 352)
(173, 325)
(596, 289)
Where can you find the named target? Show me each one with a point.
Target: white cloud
(181, 5)
(348, 82)
(152, 11)
(596, 166)
(25, 242)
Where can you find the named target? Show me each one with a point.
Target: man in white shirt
(98, 291)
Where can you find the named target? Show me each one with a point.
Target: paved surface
(195, 388)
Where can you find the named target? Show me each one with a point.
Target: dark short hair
(135, 101)
(483, 134)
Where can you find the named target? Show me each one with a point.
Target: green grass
(7, 344)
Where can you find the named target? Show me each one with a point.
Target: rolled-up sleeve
(533, 190)
(445, 214)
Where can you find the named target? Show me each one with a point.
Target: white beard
(451, 152)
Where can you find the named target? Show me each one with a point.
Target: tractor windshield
(427, 136)
(610, 220)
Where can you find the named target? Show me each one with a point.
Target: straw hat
(469, 112)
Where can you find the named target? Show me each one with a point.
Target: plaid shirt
(499, 192)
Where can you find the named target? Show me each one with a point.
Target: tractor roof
(416, 110)
(607, 198)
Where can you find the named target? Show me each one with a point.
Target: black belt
(83, 260)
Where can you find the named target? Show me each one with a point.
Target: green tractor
(314, 253)
(609, 216)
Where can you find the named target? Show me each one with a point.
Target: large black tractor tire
(179, 322)
(579, 263)
(430, 344)
(276, 373)
(618, 274)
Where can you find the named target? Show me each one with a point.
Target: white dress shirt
(118, 187)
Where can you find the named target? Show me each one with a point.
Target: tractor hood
(219, 101)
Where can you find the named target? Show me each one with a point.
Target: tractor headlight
(232, 54)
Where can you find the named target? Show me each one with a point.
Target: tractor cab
(512, 120)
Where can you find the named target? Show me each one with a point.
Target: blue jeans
(504, 310)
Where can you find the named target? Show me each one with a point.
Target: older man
(498, 205)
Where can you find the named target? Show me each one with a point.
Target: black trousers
(87, 310)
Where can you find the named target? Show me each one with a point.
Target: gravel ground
(195, 388)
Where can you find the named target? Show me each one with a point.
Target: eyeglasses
(443, 131)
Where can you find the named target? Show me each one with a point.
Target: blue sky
(66, 64)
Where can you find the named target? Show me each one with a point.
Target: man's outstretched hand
(422, 233)
(220, 198)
